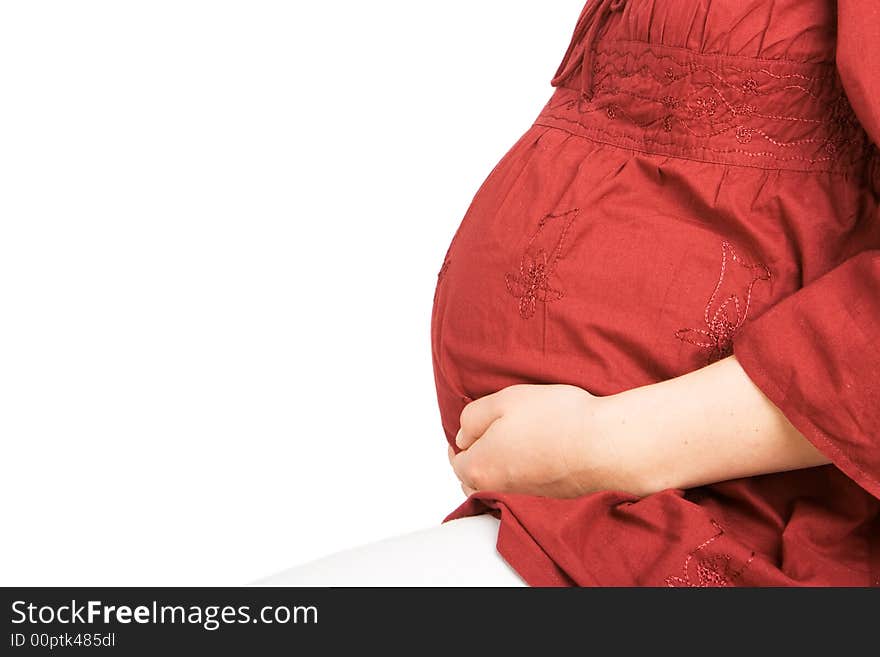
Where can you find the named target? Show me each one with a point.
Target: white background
(220, 229)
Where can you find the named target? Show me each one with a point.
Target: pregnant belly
(599, 286)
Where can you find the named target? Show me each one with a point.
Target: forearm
(709, 425)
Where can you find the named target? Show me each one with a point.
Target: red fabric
(702, 181)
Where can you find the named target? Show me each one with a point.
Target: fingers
(476, 417)
(467, 490)
(467, 469)
(477, 468)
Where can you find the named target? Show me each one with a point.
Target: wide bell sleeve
(816, 353)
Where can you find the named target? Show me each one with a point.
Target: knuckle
(477, 477)
(468, 473)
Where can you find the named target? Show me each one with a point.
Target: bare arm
(709, 425)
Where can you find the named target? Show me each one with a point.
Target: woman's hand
(548, 440)
(706, 426)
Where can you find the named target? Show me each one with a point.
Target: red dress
(702, 181)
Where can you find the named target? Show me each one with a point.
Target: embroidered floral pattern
(721, 108)
(704, 569)
(724, 315)
(532, 282)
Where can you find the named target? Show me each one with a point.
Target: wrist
(686, 431)
(629, 435)
(664, 433)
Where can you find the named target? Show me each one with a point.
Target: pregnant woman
(655, 332)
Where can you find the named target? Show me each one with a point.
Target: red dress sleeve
(816, 353)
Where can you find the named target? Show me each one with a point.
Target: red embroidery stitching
(716, 106)
(711, 570)
(666, 124)
(717, 337)
(538, 263)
